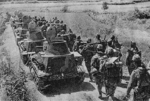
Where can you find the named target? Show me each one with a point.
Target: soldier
(43, 29)
(140, 82)
(108, 48)
(96, 70)
(65, 27)
(70, 31)
(117, 45)
(98, 38)
(87, 57)
(112, 41)
(134, 48)
(72, 38)
(77, 44)
(89, 40)
(37, 59)
(112, 68)
(35, 19)
(61, 25)
(130, 53)
(136, 62)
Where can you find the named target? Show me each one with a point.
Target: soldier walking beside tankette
(95, 68)
(113, 73)
(140, 82)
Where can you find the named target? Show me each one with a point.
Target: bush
(65, 9)
(12, 83)
(104, 5)
(138, 14)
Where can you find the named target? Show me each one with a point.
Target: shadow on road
(68, 89)
(126, 77)
(122, 85)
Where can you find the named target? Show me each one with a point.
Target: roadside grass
(13, 84)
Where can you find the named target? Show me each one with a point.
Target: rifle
(104, 37)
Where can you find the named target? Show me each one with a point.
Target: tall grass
(12, 84)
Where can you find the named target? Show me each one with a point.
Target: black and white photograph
(74, 50)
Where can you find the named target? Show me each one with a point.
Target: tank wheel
(40, 85)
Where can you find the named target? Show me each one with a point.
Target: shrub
(104, 5)
(65, 9)
(138, 14)
(12, 83)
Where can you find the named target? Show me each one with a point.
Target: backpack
(113, 69)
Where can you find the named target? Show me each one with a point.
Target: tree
(105, 5)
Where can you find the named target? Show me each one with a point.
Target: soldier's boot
(99, 86)
(113, 88)
(107, 90)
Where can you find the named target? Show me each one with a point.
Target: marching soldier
(97, 72)
(87, 57)
(112, 68)
(112, 41)
(98, 39)
(77, 44)
(108, 48)
(43, 29)
(134, 48)
(140, 82)
(129, 57)
(136, 62)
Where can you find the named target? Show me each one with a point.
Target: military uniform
(87, 57)
(112, 68)
(113, 74)
(130, 54)
(76, 45)
(96, 63)
(133, 65)
(99, 76)
(139, 80)
(111, 41)
(108, 49)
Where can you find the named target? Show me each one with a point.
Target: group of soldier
(102, 59)
(105, 66)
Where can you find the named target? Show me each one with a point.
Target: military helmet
(136, 58)
(112, 37)
(78, 38)
(57, 21)
(99, 48)
(89, 40)
(61, 21)
(133, 43)
(98, 36)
